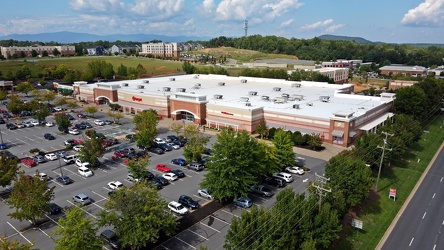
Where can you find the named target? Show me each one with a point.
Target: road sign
(357, 223)
(392, 194)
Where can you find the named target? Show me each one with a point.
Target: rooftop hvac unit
(192, 93)
(276, 89)
(221, 84)
(297, 97)
(140, 86)
(248, 104)
(324, 98)
(196, 77)
(296, 106)
(197, 86)
(244, 99)
(125, 84)
(265, 98)
(172, 79)
(180, 90)
(243, 80)
(285, 95)
(166, 89)
(252, 93)
(309, 104)
(279, 100)
(146, 81)
(217, 96)
(295, 85)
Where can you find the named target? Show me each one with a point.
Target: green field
(153, 67)
(402, 176)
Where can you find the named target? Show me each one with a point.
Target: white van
(284, 176)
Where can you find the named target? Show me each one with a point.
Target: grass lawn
(402, 176)
(153, 67)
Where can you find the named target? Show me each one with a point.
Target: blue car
(179, 161)
(243, 202)
(3, 146)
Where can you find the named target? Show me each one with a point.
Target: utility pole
(246, 27)
(320, 190)
(382, 157)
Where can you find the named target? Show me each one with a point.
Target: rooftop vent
(252, 93)
(196, 77)
(324, 98)
(172, 79)
(218, 96)
(276, 89)
(221, 84)
(146, 81)
(125, 84)
(181, 90)
(197, 86)
(296, 106)
(265, 97)
(279, 100)
(140, 87)
(309, 104)
(192, 93)
(297, 97)
(295, 85)
(248, 104)
(166, 89)
(243, 80)
(285, 95)
(244, 99)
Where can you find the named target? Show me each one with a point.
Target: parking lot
(210, 232)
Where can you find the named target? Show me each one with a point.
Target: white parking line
(103, 197)
(95, 217)
(72, 172)
(54, 221)
(185, 242)
(197, 234)
(210, 227)
(29, 139)
(19, 233)
(44, 232)
(165, 247)
(229, 213)
(22, 141)
(220, 219)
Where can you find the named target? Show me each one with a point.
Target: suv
(109, 237)
(187, 201)
(284, 176)
(195, 166)
(277, 182)
(70, 159)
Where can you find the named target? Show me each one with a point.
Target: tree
(30, 198)
(116, 115)
(138, 168)
(314, 141)
(176, 127)
(196, 141)
(72, 104)
(76, 231)
(3, 95)
(282, 153)
(91, 110)
(48, 96)
(7, 244)
(411, 101)
(114, 106)
(262, 129)
(62, 121)
(15, 104)
(92, 149)
(138, 215)
(188, 68)
(146, 125)
(237, 162)
(61, 101)
(8, 169)
(41, 112)
(24, 87)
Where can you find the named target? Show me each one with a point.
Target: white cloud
(279, 8)
(287, 23)
(208, 6)
(334, 27)
(428, 13)
(317, 25)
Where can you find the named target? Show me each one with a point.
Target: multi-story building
(160, 49)
(65, 50)
(338, 64)
(95, 50)
(242, 103)
(119, 49)
(339, 75)
(393, 70)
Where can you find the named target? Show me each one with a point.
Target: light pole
(60, 165)
(1, 135)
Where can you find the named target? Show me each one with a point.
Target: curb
(406, 203)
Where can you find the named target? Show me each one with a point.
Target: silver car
(204, 193)
(82, 199)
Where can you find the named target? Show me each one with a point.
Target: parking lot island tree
(24, 87)
(3, 95)
(30, 197)
(62, 120)
(138, 215)
(71, 104)
(8, 169)
(116, 115)
(138, 168)
(8, 243)
(47, 96)
(76, 231)
(196, 141)
(91, 110)
(15, 104)
(282, 152)
(236, 163)
(92, 148)
(176, 127)
(61, 102)
(146, 126)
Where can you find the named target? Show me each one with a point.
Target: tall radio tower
(246, 27)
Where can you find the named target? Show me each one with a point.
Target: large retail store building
(218, 101)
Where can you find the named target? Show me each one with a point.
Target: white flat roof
(311, 105)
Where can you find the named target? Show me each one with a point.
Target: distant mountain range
(66, 37)
(362, 40)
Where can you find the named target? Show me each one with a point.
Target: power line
(320, 190)
(382, 157)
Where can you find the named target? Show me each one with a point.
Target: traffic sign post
(392, 194)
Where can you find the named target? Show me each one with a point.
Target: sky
(391, 21)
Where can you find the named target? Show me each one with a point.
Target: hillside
(241, 55)
(344, 38)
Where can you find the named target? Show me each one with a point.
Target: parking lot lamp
(60, 166)
(1, 135)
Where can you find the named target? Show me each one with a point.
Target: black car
(155, 183)
(187, 201)
(149, 175)
(86, 124)
(171, 138)
(158, 151)
(80, 126)
(9, 155)
(178, 172)
(275, 182)
(164, 147)
(132, 156)
(64, 130)
(129, 150)
(7, 115)
(49, 136)
(161, 180)
(11, 126)
(6, 103)
(54, 208)
(70, 117)
(65, 180)
(130, 137)
(80, 115)
(141, 153)
(179, 142)
(207, 151)
(2, 121)
(110, 238)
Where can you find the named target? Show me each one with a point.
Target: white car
(159, 140)
(49, 124)
(174, 146)
(115, 185)
(78, 148)
(99, 122)
(81, 164)
(204, 193)
(84, 171)
(58, 109)
(177, 208)
(51, 157)
(42, 176)
(295, 170)
(35, 122)
(73, 131)
(170, 176)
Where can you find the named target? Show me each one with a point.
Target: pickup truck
(262, 190)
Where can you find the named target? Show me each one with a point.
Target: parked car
(79, 163)
(7, 115)
(82, 199)
(156, 184)
(161, 180)
(85, 171)
(58, 109)
(65, 180)
(130, 137)
(149, 175)
(42, 176)
(179, 161)
(130, 177)
(120, 153)
(187, 201)
(49, 136)
(49, 124)
(78, 147)
(164, 147)
(110, 238)
(177, 208)
(2, 121)
(3, 146)
(163, 168)
(73, 131)
(158, 151)
(262, 190)
(51, 157)
(195, 166)
(35, 122)
(70, 117)
(11, 126)
(243, 202)
(159, 141)
(115, 185)
(86, 124)
(204, 193)
(171, 138)
(284, 176)
(170, 176)
(173, 146)
(107, 122)
(39, 159)
(178, 172)
(179, 142)
(277, 182)
(70, 159)
(80, 115)
(54, 208)
(129, 150)
(79, 126)
(295, 170)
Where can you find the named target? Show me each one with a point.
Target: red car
(163, 168)
(120, 153)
